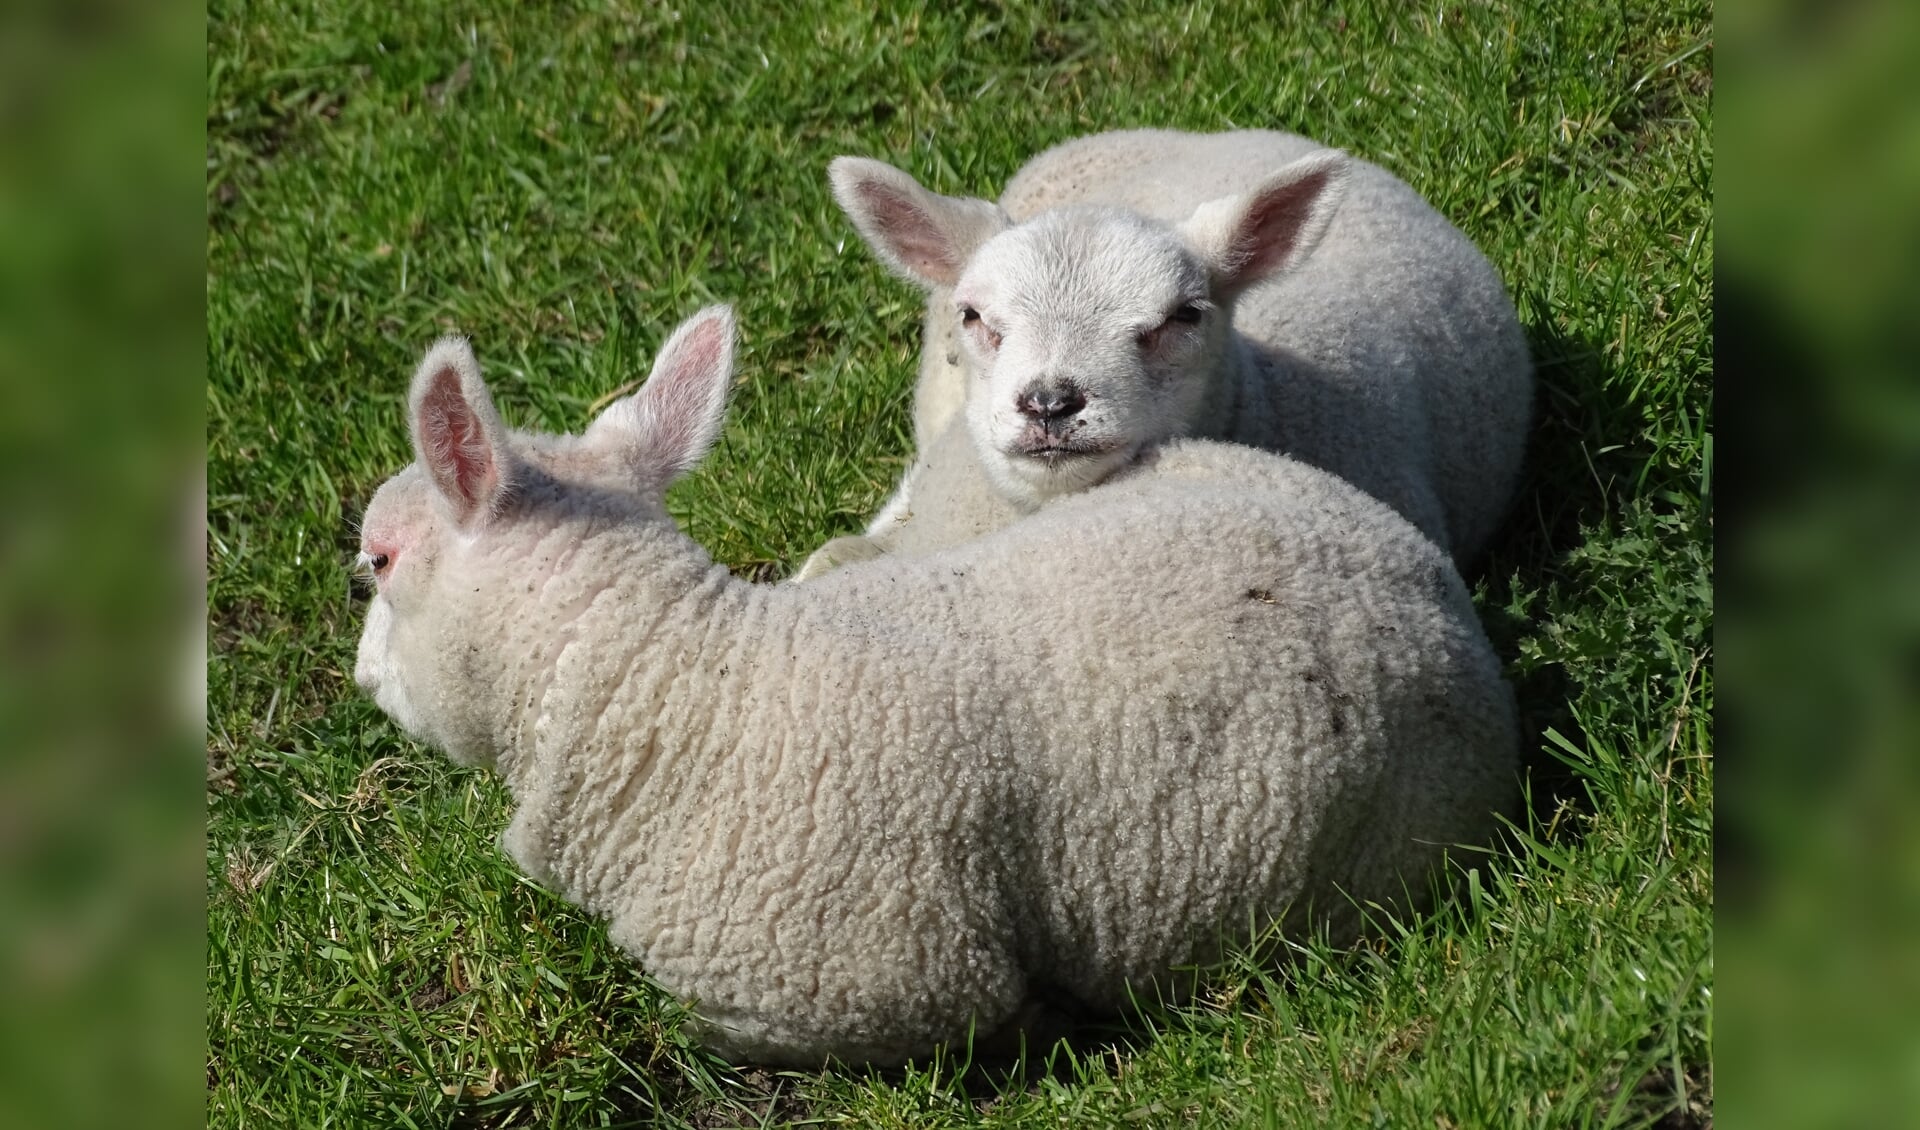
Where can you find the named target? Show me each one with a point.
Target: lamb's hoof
(838, 552)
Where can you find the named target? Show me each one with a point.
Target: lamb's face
(1088, 335)
(438, 626)
(465, 544)
(401, 659)
(398, 555)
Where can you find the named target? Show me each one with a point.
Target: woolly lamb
(1252, 286)
(859, 817)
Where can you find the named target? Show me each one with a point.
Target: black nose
(1050, 402)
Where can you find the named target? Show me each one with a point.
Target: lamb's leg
(838, 552)
(941, 389)
(897, 509)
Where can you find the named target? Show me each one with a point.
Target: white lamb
(860, 817)
(1252, 286)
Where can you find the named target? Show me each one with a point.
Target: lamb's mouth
(1052, 451)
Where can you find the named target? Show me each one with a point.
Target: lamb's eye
(1187, 314)
(971, 318)
(378, 561)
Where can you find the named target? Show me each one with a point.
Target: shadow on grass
(1579, 469)
(1053, 1042)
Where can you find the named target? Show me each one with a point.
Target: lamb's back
(1394, 358)
(1069, 753)
(1165, 174)
(1204, 676)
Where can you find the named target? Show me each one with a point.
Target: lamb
(868, 815)
(1252, 286)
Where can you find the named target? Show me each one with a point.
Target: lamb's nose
(1046, 403)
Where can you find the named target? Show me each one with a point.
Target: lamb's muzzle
(1050, 405)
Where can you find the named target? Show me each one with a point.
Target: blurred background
(102, 352)
(1818, 331)
(102, 237)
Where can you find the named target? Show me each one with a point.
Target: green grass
(565, 182)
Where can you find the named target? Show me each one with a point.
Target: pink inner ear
(1269, 233)
(910, 233)
(457, 451)
(680, 398)
(700, 352)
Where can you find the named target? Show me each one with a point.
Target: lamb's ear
(1269, 230)
(665, 429)
(922, 235)
(457, 434)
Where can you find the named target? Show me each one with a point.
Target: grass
(566, 181)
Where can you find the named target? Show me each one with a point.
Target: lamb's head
(1088, 333)
(477, 530)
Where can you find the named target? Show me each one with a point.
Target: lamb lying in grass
(1252, 286)
(863, 816)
